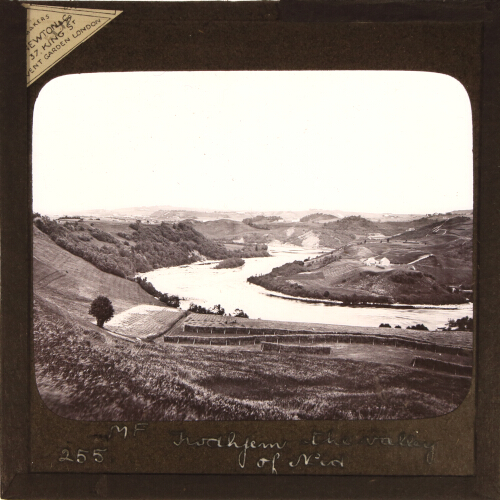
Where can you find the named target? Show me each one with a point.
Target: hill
(81, 373)
(127, 249)
(70, 283)
(453, 227)
(434, 267)
(317, 217)
(223, 229)
(317, 229)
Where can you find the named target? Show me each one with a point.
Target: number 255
(81, 455)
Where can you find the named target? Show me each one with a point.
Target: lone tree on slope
(102, 309)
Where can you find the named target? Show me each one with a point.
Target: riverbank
(352, 282)
(451, 307)
(201, 284)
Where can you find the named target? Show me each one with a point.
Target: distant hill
(261, 219)
(317, 217)
(355, 223)
(313, 231)
(167, 212)
(222, 229)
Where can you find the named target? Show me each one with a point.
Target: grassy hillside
(81, 375)
(453, 227)
(420, 272)
(71, 283)
(126, 250)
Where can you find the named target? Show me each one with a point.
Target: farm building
(384, 261)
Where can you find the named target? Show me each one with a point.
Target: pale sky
(364, 141)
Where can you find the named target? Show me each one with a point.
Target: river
(203, 285)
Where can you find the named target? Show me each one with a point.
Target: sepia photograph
(253, 245)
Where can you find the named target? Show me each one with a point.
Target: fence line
(442, 366)
(324, 337)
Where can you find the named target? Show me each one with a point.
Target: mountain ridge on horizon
(165, 212)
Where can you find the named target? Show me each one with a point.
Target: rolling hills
(434, 267)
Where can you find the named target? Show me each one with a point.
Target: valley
(154, 362)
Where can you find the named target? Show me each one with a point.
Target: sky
(363, 141)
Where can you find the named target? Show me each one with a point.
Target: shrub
(198, 309)
(170, 300)
(230, 263)
(419, 326)
(103, 236)
(217, 310)
(384, 325)
(406, 277)
(238, 313)
(148, 287)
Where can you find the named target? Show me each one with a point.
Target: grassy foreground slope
(80, 375)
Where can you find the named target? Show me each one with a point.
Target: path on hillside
(421, 258)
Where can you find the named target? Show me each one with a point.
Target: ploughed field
(145, 322)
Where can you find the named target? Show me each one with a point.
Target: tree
(239, 313)
(102, 309)
(419, 326)
(465, 323)
(219, 310)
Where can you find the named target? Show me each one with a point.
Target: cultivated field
(145, 321)
(215, 325)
